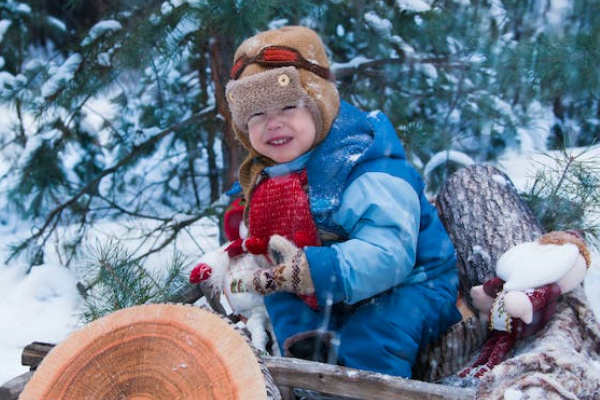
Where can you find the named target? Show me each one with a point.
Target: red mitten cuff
(200, 273)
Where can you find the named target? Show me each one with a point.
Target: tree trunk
(484, 216)
(220, 63)
(560, 362)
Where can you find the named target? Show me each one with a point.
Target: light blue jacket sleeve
(381, 214)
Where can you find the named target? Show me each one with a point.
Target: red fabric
(232, 220)
(200, 273)
(493, 286)
(543, 296)
(257, 245)
(543, 300)
(235, 248)
(279, 54)
(280, 206)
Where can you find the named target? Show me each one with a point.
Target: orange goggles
(279, 56)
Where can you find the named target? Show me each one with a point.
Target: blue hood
(354, 138)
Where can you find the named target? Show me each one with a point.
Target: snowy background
(44, 305)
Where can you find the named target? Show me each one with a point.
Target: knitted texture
(280, 207)
(292, 275)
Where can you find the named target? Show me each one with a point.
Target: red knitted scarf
(280, 206)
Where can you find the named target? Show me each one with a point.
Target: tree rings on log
(153, 352)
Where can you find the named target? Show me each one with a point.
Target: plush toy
(521, 299)
(217, 267)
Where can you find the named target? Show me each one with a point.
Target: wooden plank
(330, 379)
(357, 384)
(34, 353)
(13, 388)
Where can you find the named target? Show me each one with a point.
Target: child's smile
(282, 135)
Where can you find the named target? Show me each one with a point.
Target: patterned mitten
(292, 274)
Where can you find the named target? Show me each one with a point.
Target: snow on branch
(444, 157)
(42, 234)
(413, 5)
(4, 25)
(59, 79)
(102, 28)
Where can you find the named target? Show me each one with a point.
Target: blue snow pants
(383, 334)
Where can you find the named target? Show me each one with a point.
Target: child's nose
(273, 121)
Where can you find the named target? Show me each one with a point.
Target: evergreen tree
(471, 78)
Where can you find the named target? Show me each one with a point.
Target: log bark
(452, 351)
(484, 216)
(560, 362)
(221, 52)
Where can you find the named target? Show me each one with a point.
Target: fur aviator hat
(273, 70)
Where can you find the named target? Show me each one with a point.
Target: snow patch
(352, 64)
(57, 23)
(478, 250)
(278, 23)
(103, 59)
(444, 157)
(4, 25)
(413, 5)
(166, 8)
(499, 179)
(100, 29)
(380, 25)
(513, 394)
(62, 76)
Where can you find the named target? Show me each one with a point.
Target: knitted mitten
(292, 274)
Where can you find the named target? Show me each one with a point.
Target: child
(343, 213)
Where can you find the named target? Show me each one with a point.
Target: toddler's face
(282, 135)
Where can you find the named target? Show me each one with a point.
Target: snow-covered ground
(44, 304)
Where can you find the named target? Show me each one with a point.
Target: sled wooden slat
(355, 383)
(34, 353)
(13, 388)
(330, 379)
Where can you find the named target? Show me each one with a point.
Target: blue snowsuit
(385, 279)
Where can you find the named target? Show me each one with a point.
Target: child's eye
(257, 114)
(289, 107)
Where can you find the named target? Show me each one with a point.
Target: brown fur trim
(267, 91)
(559, 237)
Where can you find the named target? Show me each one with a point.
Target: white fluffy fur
(248, 305)
(532, 264)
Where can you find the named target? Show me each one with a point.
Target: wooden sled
(484, 217)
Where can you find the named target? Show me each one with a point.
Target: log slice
(153, 352)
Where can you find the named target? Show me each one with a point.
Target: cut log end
(169, 351)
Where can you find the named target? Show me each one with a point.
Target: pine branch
(53, 218)
(346, 70)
